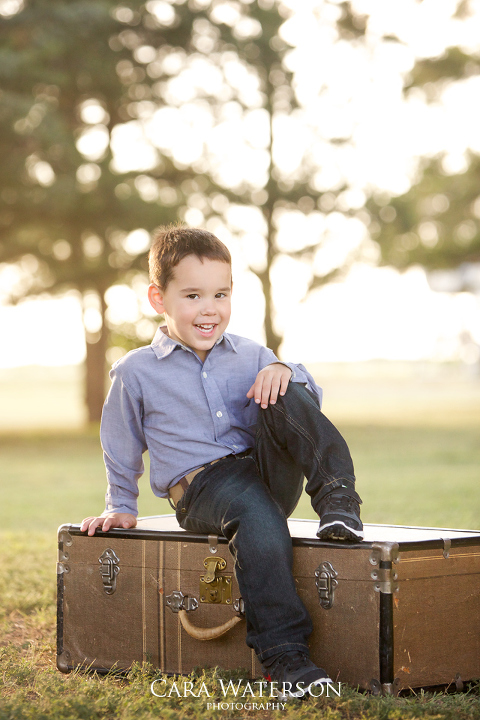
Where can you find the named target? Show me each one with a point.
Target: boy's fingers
(124, 520)
(257, 389)
(121, 520)
(85, 523)
(269, 391)
(284, 383)
(90, 524)
(274, 388)
(268, 384)
(96, 522)
(129, 522)
(264, 393)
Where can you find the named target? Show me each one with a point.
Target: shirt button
(219, 413)
(204, 374)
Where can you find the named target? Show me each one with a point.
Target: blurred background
(334, 147)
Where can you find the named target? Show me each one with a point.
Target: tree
(67, 206)
(69, 76)
(435, 223)
(244, 40)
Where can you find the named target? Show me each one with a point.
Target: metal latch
(212, 565)
(215, 588)
(326, 583)
(178, 601)
(109, 570)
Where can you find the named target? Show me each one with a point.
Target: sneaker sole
(339, 531)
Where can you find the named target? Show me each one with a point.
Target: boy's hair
(171, 244)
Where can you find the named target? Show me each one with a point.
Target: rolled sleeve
(300, 374)
(123, 444)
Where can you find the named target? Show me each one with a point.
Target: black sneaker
(340, 517)
(290, 670)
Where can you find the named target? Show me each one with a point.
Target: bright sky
(375, 313)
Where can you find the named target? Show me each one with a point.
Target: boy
(231, 433)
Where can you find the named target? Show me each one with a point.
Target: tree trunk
(95, 366)
(273, 340)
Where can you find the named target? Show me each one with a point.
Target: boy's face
(196, 302)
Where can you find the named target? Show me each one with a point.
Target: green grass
(30, 695)
(411, 472)
(405, 475)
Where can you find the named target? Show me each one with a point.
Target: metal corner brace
(384, 555)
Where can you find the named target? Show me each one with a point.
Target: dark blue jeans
(248, 499)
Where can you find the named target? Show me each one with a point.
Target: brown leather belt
(179, 489)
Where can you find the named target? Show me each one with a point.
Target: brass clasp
(215, 588)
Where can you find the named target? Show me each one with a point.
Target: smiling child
(231, 432)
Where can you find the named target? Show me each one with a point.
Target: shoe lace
(340, 502)
(292, 661)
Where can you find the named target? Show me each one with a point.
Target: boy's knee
(298, 402)
(301, 393)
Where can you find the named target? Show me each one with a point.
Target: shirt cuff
(120, 509)
(296, 374)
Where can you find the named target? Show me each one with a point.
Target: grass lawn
(413, 473)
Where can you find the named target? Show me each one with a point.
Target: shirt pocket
(243, 410)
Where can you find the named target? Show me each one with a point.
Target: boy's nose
(207, 309)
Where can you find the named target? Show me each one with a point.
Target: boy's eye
(221, 295)
(192, 296)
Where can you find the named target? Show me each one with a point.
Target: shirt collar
(162, 345)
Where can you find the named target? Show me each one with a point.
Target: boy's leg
(230, 498)
(294, 438)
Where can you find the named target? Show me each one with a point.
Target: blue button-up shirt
(184, 412)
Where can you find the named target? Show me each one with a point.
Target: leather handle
(207, 633)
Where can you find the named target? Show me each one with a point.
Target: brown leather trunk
(399, 610)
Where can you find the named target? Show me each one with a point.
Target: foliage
(251, 39)
(436, 222)
(76, 73)
(68, 78)
(73, 217)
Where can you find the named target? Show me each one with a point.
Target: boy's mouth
(206, 329)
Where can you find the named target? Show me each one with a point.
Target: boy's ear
(155, 297)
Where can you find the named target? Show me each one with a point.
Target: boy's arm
(123, 443)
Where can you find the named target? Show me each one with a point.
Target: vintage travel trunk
(399, 610)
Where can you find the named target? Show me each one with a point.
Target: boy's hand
(123, 520)
(269, 382)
